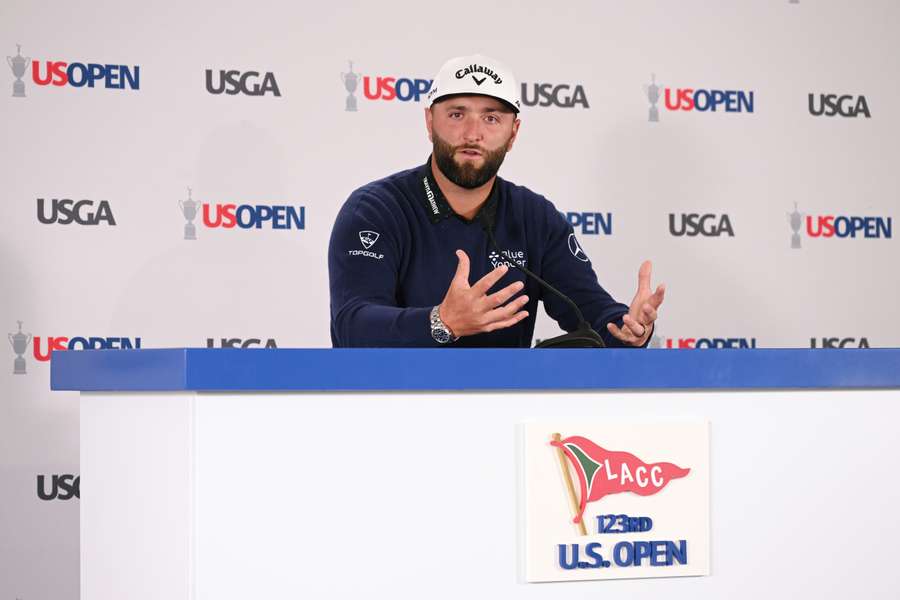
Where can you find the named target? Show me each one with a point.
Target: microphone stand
(584, 335)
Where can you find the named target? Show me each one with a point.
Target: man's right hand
(467, 310)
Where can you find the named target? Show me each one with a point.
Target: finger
(462, 269)
(644, 276)
(487, 282)
(505, 312)
(508, 322)
(630, 324)
(620, 334)
(649, 314)
(499, 298)
(657, 298)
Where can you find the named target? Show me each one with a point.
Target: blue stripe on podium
(204, 369)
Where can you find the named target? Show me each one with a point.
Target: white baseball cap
(475, 74)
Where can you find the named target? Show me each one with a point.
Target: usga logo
(689, 99)
(548, 94)
(658, 341)
(83, 212)
(830, 226)
(830, 105)
(247, 83)
(694, 224)
(60, 73)
(590, 223)
(240, 343)
(834, 342)
(61, 487)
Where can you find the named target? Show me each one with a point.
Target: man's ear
(515, 132)
(428, 118)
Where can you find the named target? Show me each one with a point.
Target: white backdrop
(140, 150)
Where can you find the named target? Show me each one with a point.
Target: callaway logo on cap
(475, 74)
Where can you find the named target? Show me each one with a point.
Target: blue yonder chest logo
(508, 257)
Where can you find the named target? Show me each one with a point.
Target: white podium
(226, 474)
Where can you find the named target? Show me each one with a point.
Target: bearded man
(405, 250)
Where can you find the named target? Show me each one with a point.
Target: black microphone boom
(584, 335)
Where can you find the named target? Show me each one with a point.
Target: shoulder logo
(575, 249)
(368, 238)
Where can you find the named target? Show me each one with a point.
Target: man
(405, 250)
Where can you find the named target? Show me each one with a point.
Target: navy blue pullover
(392, 256)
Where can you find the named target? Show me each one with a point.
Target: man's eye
(455, 115)
(492, 119)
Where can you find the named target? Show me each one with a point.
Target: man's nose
(472, 131)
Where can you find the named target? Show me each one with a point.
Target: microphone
(584, 335)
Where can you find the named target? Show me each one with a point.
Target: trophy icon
(189, 208)
(652, 92)
(350, 80)
(19, 343)
(796, 219)
(17, 64)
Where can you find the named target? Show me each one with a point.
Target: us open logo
(601, 473)
(62, 73)
(616, 500)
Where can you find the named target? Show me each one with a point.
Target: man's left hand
(637, 325)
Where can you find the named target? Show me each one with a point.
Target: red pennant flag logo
(603, 472)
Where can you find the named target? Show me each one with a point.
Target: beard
(467, 175)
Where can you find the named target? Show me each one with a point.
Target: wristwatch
(439, 331)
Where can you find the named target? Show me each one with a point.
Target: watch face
(442, 336)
